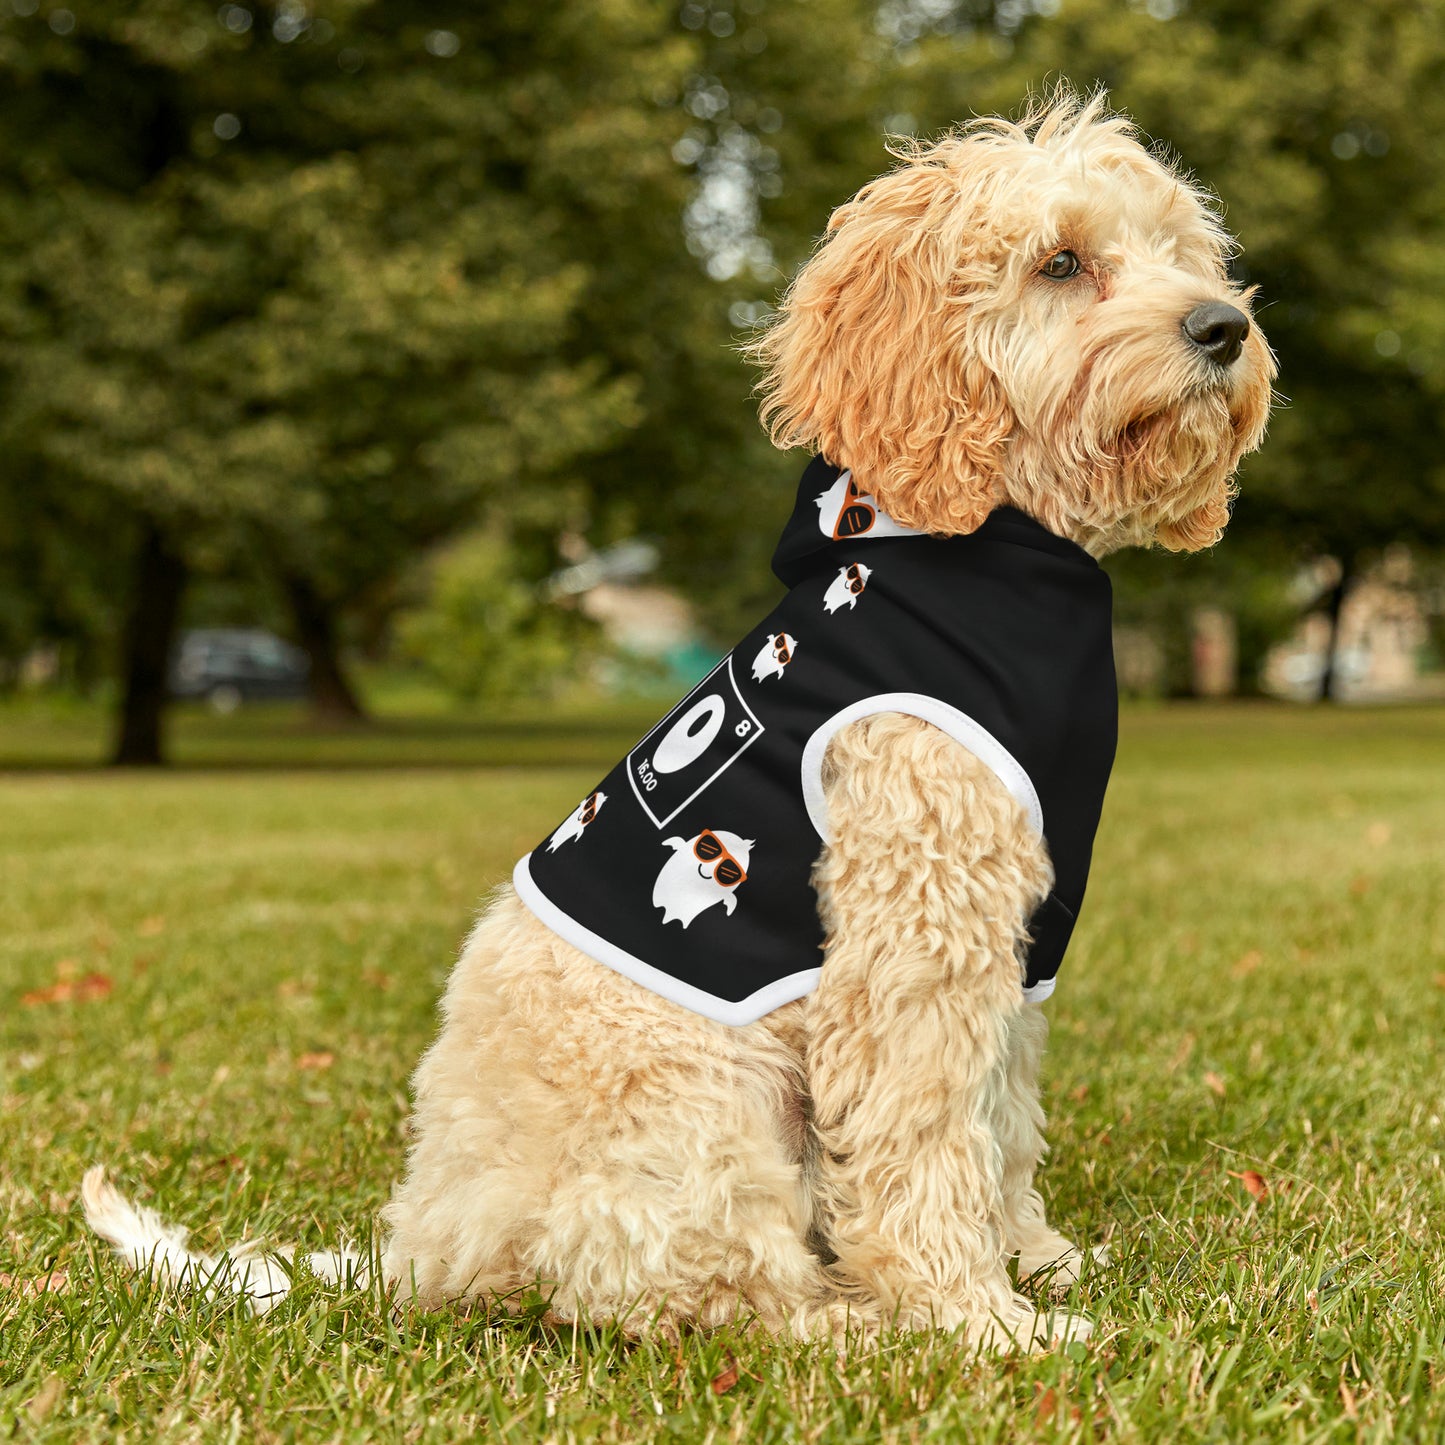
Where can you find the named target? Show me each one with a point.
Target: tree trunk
(150, 630)
(1329, 676)
(333, 699)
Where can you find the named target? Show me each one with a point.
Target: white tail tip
(147, 1243)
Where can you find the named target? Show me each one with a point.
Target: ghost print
(703, 871)
(847, 587)
(846, 511)
(575, 824)
(774, 656)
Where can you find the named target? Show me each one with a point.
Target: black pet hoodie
(688, 867)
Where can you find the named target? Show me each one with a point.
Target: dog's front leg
(1019, 1127)
(924, 891)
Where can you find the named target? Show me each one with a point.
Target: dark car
(231, 665)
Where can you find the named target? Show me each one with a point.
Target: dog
(1023, 336)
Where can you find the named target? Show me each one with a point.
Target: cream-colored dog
(1033, 314)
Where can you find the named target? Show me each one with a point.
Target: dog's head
(1036, 314)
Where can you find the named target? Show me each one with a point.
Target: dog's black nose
(1217, 330)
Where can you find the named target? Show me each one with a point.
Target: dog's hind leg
(924, 891)
(681, 1197)
(577, 1135)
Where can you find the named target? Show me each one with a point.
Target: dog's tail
(148, 1244)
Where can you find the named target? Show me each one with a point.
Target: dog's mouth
(1207, 406)
(1150, 431)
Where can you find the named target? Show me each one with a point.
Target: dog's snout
(1218, 330)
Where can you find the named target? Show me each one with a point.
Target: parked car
(230, 665)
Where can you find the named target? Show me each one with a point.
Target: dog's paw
(1023, 1326)
(1060, 1327)
(1058, 1266)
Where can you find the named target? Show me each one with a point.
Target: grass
(230, 971)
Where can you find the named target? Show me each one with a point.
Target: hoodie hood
(832, 512)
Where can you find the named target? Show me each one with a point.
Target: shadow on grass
(279, 737)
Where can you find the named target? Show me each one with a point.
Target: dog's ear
(873, 359)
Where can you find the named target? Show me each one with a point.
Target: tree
(296, 281)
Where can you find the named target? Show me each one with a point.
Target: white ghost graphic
(844, 511)
(577, 820)
(772, 659)
(846, 587)
(687, 883)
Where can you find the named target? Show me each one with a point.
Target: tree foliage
(480, 632)
(312, 284)
(324, 284)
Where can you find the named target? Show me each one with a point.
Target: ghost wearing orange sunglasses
(703, 870)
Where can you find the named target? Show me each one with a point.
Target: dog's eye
(1061, 266)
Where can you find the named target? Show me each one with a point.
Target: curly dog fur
(865, 1156)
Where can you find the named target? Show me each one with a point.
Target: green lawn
(1258, 984)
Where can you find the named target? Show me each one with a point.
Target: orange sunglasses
(729, 872)
(856, 517)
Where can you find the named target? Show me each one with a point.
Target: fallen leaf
(82, 990)
(56, 993)
(1046, 1408)
(56, 1282)
(1080, 1094)
(1181, 1054)
(46, 1398)
(321, 1059)
(1440, 980)
(1377, 834)
(151, 927)
(1254, 1182)
(724, 1382)
(1214, 1083)
(1247, 964)
(1359, 886)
